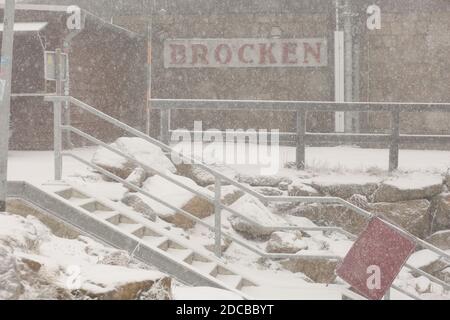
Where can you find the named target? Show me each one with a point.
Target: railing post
(395, 137)
(57, 139)
(165, 118)
(301, 131)
(218, 217)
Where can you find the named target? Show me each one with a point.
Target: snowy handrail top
(27, 26)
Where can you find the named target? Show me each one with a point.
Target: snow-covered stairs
(149, 235)
(149, 242)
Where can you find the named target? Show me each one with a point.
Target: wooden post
(301, 131)
(395, 137)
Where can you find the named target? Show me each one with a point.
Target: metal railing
(302, 138)
(216, 200)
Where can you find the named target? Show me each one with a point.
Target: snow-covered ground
(37, 166)
(337, 164)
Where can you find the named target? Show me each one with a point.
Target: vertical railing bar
(395, 137)
(218, 217)
(57, 139)
(165, 126)
(301, 131)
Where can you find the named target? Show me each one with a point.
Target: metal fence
(302, 138)
(220, 178)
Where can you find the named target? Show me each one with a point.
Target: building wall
(107, 71)
(408, 61)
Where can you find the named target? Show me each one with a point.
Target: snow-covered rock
(269, 191)
(360, 201)
(137, 177)
(136, 202)
(284, 242)
(440, 239)
(440, 211)
(410, 187)
(35, 264)
(11, 287)
(178, 197)
(299, 189)
(137, 148)
(261, 219)
(332, 215)
(262, 181)
(318, 270)
(410, 215)
(344, 186)
(200, 176)
(229, 194)
(104, 282)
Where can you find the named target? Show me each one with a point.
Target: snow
(203, 293)
(415, 180)
(31, 240)
(348, 179)
(37, 166)
(26, 26)
(422, 258)
(170, 192)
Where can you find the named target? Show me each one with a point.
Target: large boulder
(104, 282)
(285, 242)
(345, 186)
(269, 191)
(440, 239)
(261, 180)
(229, 194)
(410, 187)
(440, 211)
(332, 215)
(178, 197)
(136, 202)
(318, 270)
(11, 287)
(137, 148)
(299, 189)
(201, 177)
(137, 177)
(260, 219)
(410, 215)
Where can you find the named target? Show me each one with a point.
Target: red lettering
(289, 48)
(228, 52)
(199, 54)
(265, 52)
(310, 50)
(241, 53)
(177, 51)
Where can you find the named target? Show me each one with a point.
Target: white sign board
(50, 66)
(245, 53)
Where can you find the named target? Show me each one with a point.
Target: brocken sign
(245, 53)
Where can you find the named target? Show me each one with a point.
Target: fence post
(218, 217)
(301, 131)
(165, 126)
(395, 137)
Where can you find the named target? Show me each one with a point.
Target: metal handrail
(301, 137)
(216, 200)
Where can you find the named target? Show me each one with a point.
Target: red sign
(245, 53)
(375, 259)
